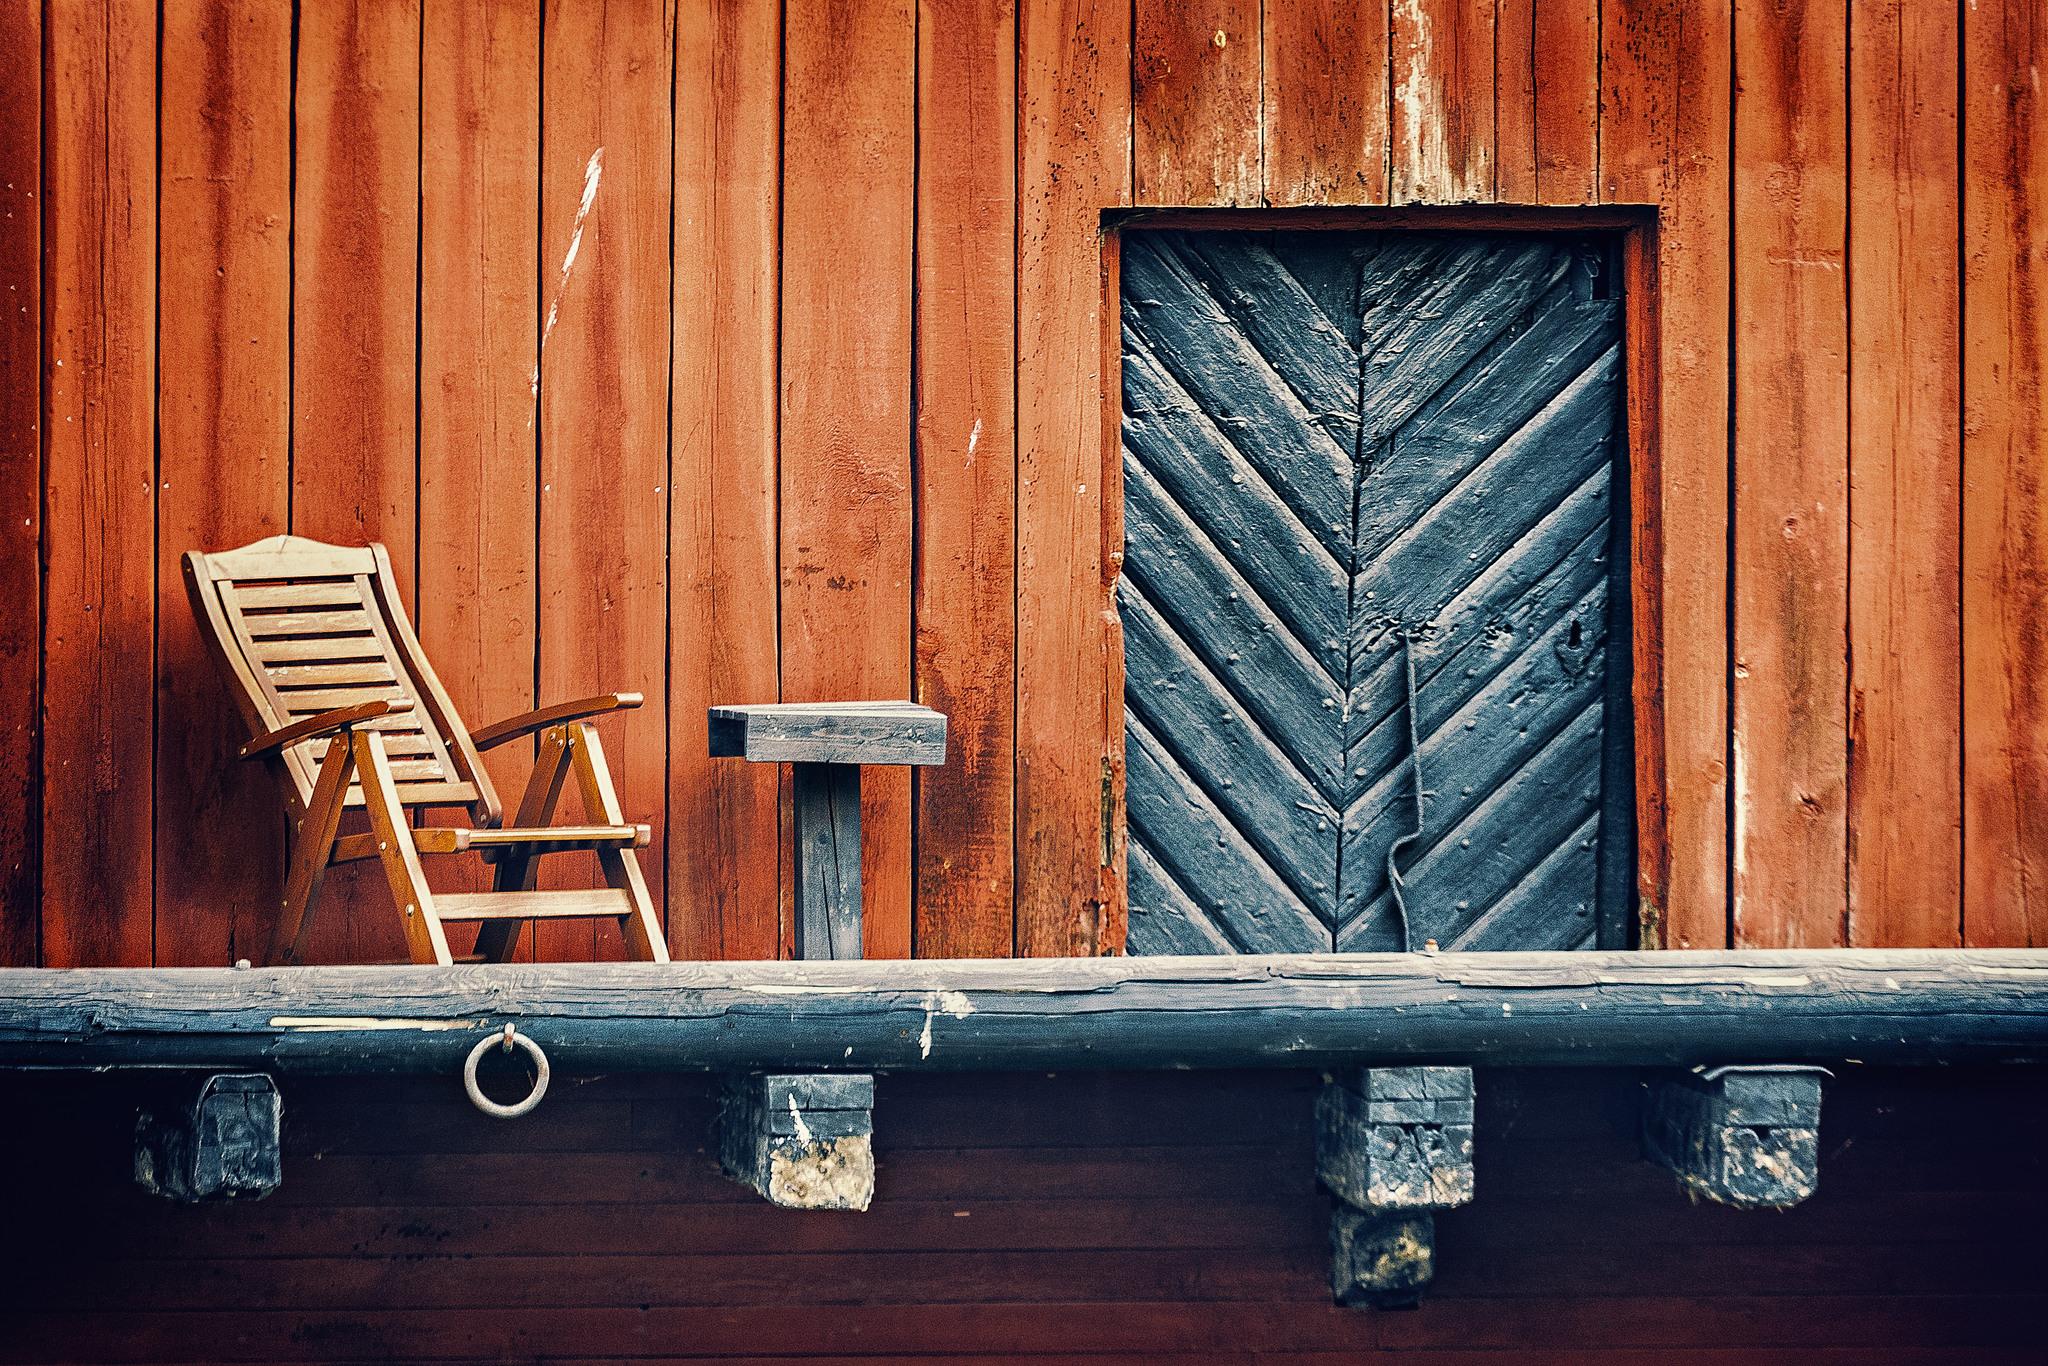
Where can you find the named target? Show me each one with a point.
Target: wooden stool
(828, 742)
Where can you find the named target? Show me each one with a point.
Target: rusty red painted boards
(1442, 128)
(966, 474)
(1547, 88)
(1905, 479)
(1791, 537)
(21, 366)
(1324, 103)
(479, 321)
(2005, 475)
(224, 476)
(354, 296)
(1664, 142)
(1195, 92)
(1074, 133)
(99, 410)
(848, 200)
(724, 837)
(604, 373)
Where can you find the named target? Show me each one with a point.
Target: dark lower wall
(1099, 1218)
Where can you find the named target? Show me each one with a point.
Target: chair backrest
(300, 627)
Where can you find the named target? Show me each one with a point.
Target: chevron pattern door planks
(1346, 456)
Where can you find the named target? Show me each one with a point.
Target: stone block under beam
(803, 1141)
(1747, 1137)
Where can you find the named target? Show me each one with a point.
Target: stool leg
(828, 911)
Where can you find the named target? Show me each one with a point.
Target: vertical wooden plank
(1515, 94)
(1547, 92)
(1664, 141)
(1791, 542)
(99, 457)
(724, 839)
(355, 275)
(1567, 86)
(1195, 95)
(1324, 102)
(1075, 160)
(224, 476)
(965, 562)
(2005, 475)
(965, 601)
(848, 198)
(607, 184)
(479, 320)
(354, 293)
(1442, 120)
(1905, 479)
(21, 469)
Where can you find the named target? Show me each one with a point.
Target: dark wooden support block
(1396, 1138)
(1393, 1144)
(221, 1146)
(801, 1142)
(828, 914)
(1384, 1261)
(1748, 1136)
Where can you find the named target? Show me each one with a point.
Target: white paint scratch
(953, 1005)
(974, 438)
(593, 172)
(796, 1117)
(332, 1024)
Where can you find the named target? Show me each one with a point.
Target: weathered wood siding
(728, 351)
(1111, 1220)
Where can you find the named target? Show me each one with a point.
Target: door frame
(1635, 229)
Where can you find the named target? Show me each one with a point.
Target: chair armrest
(541, 718)
(326, 723)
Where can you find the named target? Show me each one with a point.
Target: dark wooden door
(1347, 456)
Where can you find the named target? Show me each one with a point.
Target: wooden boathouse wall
(1105, 1219)
(734, 351)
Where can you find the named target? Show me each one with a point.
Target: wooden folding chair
(341, 702)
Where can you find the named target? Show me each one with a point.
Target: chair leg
(645, 939)
(312, 845)
(496, 940)
(423, 934)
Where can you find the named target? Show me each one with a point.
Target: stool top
(830, 733)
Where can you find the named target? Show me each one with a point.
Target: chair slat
(308, 637)
(548, 905)
(293, 558)
(317, 649)
(424, 794)
(314, 675)
(319, 593)
(313, 701)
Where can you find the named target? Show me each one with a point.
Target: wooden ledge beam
(1300, 1011)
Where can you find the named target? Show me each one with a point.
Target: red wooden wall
(732, 350)
(1069, 1221)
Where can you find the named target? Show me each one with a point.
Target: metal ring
(505, 1041)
